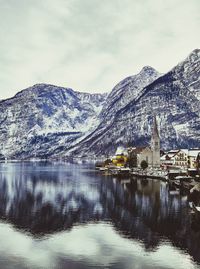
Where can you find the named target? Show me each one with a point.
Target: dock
(156, 174)
(177, 180)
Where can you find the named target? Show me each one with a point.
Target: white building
(192, 158)
(183, 158)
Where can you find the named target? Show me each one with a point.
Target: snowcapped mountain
(188, 72)
(46, 120)
(126, 91)
(44, 117)
(173, 98)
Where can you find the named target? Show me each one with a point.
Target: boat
(184, 183)
(184, 178)
(103, 169)
(121, 171)
(124, 170)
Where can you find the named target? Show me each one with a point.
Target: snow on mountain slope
(127, 90)
(45, 120)
(171, 98)
(44, 117)
(188, 72)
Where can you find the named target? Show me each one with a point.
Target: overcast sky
(90, 45)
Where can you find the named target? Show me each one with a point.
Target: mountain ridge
(51, 121)
(167, 78)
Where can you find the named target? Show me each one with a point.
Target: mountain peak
(189, 68)
(148, 69)
(195, 52)
(194, 56)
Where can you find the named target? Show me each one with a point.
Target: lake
(67, 215)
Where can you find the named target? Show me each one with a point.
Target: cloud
(91, 45)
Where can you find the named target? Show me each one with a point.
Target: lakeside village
(179, 167)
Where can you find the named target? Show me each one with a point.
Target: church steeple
(155, 144)
(155, 132)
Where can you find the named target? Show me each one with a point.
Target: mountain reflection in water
(56, 215)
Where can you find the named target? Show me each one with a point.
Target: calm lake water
(61, 215)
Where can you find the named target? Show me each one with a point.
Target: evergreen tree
(144, 164)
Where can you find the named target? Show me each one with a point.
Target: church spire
(155, 132)
(155, 144)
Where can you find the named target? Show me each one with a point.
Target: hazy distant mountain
(46, 120)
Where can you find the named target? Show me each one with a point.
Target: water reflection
(48, 198)
(70, 216)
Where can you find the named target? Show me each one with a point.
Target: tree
(107, 162)
(144, 164)
(198, 163)
(132, 160)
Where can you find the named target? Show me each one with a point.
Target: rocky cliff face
(173, 98)
(46, 120)
(43, 118)
(126, 91)
(188, 73)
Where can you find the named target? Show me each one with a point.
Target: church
(151, 154)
